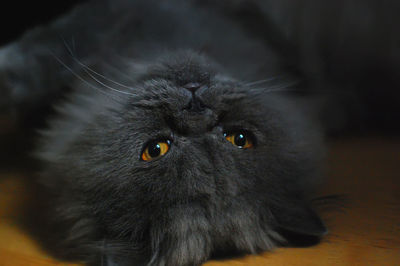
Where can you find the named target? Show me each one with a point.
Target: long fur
(114, 73)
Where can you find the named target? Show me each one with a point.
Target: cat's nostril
(192, 87)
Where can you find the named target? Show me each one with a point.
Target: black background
(380, 93)
(19, 16)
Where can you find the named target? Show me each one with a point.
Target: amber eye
(240, 139)
(155, 149)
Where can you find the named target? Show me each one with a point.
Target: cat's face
(194, 141)
(191, 133)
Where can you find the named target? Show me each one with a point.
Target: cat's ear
(299, 224)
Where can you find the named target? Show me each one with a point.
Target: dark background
(378, 94)
(18, 16)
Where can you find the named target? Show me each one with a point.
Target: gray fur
(115, 73)
(205, 195)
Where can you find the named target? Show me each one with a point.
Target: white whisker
(120, 72)
(281, 89)
(258, 82)
(87, 69)
(105, 85)
(102, 76)
(80, 78)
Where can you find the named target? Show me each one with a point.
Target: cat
(170, 139)
(187, 163)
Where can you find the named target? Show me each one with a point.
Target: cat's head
(190, 139)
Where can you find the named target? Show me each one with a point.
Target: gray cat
(172, 141)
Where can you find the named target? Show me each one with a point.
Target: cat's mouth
(194, 117)
(195, 105)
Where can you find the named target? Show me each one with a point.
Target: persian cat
(166, 135)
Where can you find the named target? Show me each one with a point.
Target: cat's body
(162, 151)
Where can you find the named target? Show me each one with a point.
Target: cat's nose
(192, 86)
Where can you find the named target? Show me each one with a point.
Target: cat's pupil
(240, 139)
(154, 150)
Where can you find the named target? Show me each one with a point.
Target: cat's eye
(241, 139)
(155, 149)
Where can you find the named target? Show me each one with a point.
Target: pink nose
(192, 87)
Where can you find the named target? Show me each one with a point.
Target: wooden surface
(365, 232)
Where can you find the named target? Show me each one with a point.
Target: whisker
(87, 69)
(120, 72)
(258, 82)
(102, 76)
(69, 48)
(81, 78)
(286, 83)
(73, 44)
(289, 86)
(284, 87)
(105, 85)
